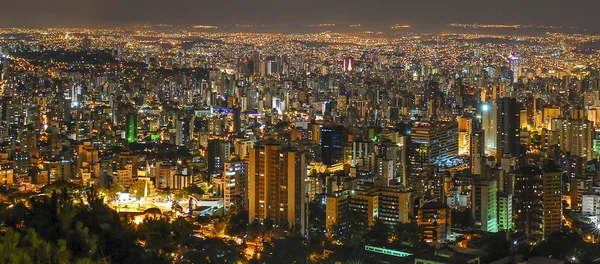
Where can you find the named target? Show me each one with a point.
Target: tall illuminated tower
(537, 200)
(276, 188)
(514, 67)
(132, 130)
(485, 204)
(490, 126)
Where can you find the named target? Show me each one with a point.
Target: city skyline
(305, 132)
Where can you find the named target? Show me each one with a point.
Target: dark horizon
(374, 14)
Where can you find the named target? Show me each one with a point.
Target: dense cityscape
(189, 144)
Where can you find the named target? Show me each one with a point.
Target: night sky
(105, 13)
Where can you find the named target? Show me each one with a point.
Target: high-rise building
(514, 67)
(528, 206)
(387, 204)
(509, 132)
(430, 144)
(276, 188)
(242, 147)
(575, 136)
(393, 205)
(485, 204)
(489, 124)
(436, 220)
(477, 152)
(579, 186)
(332, 143)
(132, 128)
(235, 185)
(165, 173)
(505, 212)
(385, 170)
(548, 115)
(537, 201)
(347, 64)
(552, 200)
(591, 205)
(465, 129)
(217, 153)
(362, 202)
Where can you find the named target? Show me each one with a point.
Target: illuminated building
(514, 67)
(339, 202)
(431, 144)
(332, 143)
(508, 133)
(549, 114)
(387, 204)
(165, 173)
(124, 176)
(87, 154)
(552, 201)
(484, 204)
(465, 129)
(477, 152)
(360, 154)
(537, 201)
(393, 205)
(181, 180)
(348, 64)
(132, 128)
(242, 147)
(436, 221)
(217, 153)
(235, 184)
(505, 212)
(395, 150)
(386, 170)
(7, 173)
(276, 185)
(490, 126)
(591, 205)
(575, 136)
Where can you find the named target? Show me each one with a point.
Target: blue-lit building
(332, 144)
(430, 144)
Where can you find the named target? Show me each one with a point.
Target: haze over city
(378, 13)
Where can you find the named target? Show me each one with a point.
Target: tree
(377, 234)
(564, 246)
(317, 215)
(267, 228)
(213, 250)
(115, 189)
(182, 230)
(9, 251)
(237, 224)
(81, 243)
(351, 228)
(462, 219)
(290, 249)
(409, 235)
(157, 235)
(57, 231)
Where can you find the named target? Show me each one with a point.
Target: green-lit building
(485, 204)
(505, 221)
(132, 128)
